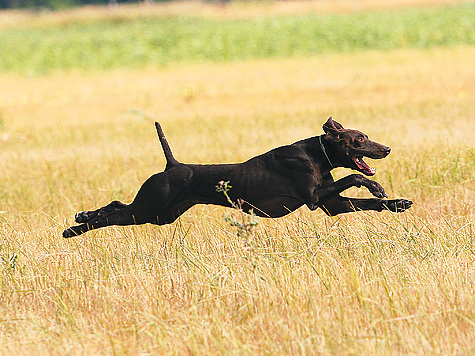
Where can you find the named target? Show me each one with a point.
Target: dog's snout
(387, 150)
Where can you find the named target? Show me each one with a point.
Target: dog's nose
(387, 150)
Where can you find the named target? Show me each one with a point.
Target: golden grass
(363, 283)
(234, 10)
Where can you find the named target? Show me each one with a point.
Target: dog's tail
(171, 161)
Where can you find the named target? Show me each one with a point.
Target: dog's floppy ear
(332, 129)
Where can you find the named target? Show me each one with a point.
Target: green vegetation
(159, 41)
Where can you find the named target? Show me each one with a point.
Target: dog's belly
(264, 190)
(274, 207)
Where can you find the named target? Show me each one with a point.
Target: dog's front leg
(353, 180)
(337, 205)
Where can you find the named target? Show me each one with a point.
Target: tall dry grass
(363, 283)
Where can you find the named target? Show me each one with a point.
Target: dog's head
(347, 147)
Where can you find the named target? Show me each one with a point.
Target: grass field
(137, 41)
(362, 283)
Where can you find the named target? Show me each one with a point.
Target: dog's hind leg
(84, 216)
(155, 198)
(123, 216)
(132, 214)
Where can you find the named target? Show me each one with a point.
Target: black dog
(272, 184)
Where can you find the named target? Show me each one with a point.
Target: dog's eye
(360, 139)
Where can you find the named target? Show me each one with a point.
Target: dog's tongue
(363, 166)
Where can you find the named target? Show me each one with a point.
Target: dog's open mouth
(363, 167)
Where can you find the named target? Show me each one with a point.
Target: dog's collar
(324, 151)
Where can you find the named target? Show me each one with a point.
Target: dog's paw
(74, 231)
(81, 217)
(69, 233)
(376, 189)
(397, 205)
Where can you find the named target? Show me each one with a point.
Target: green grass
(114, 43)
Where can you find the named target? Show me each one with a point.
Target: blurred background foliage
(60, 4)
(118, 42)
